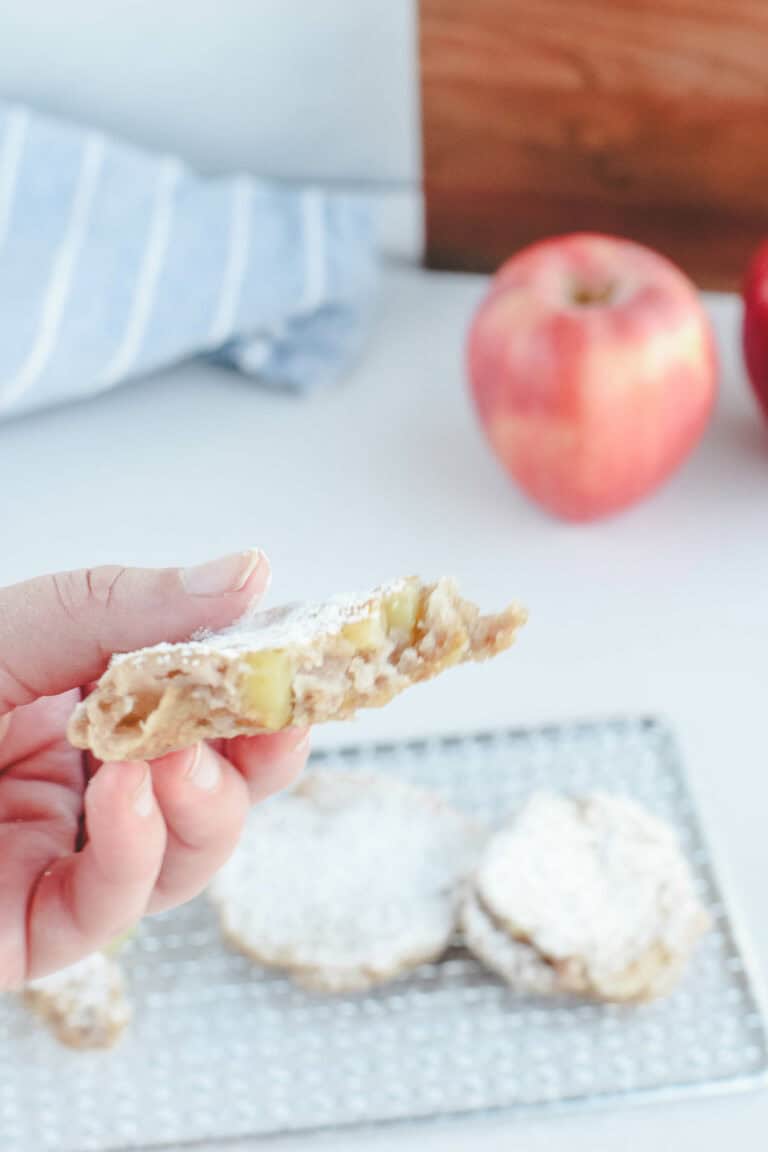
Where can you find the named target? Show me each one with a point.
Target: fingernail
(227, 574)
(204, 771)
(143, 797)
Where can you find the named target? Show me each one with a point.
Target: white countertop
(664, 609)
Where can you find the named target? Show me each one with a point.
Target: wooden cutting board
(647, 118)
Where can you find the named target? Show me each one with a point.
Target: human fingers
(57, 632)
(204, 801)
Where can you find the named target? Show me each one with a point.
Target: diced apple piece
(401, 611)
(367, 634)
(267, 688)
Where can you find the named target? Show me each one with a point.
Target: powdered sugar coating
(85, 1003)
(347, 881)
(597, 882)
(287, 626)
(515, 961)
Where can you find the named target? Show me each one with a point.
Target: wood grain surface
(647, 118)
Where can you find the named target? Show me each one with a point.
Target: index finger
(58, 632)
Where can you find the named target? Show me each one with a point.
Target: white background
(664, 609)
(325, 90)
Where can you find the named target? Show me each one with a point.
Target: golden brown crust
(289, 900)
(336, 981)
(151, 702)
(84, 1005)
(588, 896)
(530, 972)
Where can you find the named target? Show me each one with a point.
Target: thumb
(58, 632)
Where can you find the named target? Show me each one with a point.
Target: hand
(87, 849)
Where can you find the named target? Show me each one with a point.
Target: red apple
(756, 323)
(593, 370)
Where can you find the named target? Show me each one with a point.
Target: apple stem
(586, 295)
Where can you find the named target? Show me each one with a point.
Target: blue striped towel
(115, 262)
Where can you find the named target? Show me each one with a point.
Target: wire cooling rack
(220, 1049)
